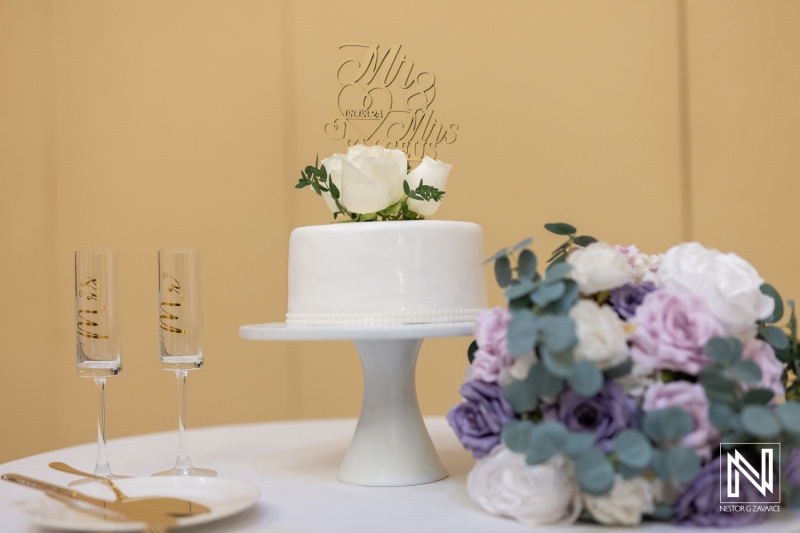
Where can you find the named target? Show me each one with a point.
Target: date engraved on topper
(89, 310)
(168, 315)
(384, 99)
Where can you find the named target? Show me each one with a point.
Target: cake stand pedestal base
(391, 446)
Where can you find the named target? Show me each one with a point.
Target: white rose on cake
(729, 284)
(429, 172)
(369, 178)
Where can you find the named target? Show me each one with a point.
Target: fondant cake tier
(384, 273)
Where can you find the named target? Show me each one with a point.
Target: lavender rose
(771, 367)
(624, 300)
(605, 414)
(692, 398)
(699, 504)
(491, 335)
(671, 330)
(479, 420)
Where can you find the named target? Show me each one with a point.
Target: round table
(294, 464)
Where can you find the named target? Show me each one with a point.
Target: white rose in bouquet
(728, 283)
(369, 178)
(429, 172)
(628, 500)
(601, 334)
(599, 267)
(544, 494)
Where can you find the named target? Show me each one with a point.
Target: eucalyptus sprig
(317, 178)
(561, 253)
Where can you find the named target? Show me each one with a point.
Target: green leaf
(559, 332)
(683, 464)
(473, 347)
(724, 350)
(558, 271)
(334, 191)
(633, 449)
(584, 240)
(721, 415)
(774, 336)
(669, 424)
(316, 188)
(659, 463)
(559, 228)
(522, 332)
(516, 435)
(789, 416)
(718, 388)
(547, 439)
(595, 474)
(522, 244)
(526, 264)
(661, 513)
(561, 364)
(566, 302)
(523, 288)
(547, 293)
(406, 188)
(777, 313)
(502, 271)
(496, 256)
(586, 380)
(521, 396)
(579, 443)
(760, 422)
(757, 396)
(620, 370)
(747, 371)
(543, 382)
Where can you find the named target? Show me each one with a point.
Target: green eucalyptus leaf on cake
(595, 474)
(560, 228)
(760, 422)
(547, 439)
(777, 312)
(586, 379)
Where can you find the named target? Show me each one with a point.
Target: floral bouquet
(620, 386)
(376, 183)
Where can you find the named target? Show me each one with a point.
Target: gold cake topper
(384, 100)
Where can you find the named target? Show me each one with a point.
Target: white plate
(225, 497)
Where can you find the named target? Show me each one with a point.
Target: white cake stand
(391, 446)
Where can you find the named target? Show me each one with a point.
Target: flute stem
(101, 468)
(183, 461)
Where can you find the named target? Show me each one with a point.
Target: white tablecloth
(294, 464)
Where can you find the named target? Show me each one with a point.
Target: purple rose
(479, 420)
(624, 300)
(605, 414)
(671, 330)
(491, 335)
(692, 398)
(699, 504)
(771, 367)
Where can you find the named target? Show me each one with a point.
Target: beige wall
(149, 124)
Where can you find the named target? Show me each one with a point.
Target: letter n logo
(739, 472)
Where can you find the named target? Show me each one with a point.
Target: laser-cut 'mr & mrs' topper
(385, 100)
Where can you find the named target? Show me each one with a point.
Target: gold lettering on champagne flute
(384, 100)
(175, 288)
(91, 286)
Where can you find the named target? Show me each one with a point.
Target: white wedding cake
(384, 273)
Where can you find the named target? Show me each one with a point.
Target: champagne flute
(180, 321)
(97, 337)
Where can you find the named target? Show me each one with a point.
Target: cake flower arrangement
(615, 383)
(375, 183)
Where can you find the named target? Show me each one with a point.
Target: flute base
(190, 471)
